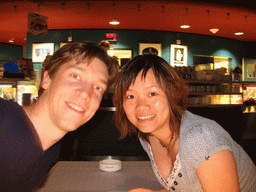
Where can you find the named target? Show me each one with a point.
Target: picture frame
(122, 55)
(62, 44)
(41, 50)
(179, 55)
(150, 48)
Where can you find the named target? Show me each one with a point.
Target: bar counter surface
(67, 176)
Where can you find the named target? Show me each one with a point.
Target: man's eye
(98, 88)
(75, 76)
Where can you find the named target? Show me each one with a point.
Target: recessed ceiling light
(239, 33)
(11, 40)
(114, 22)
(184, 26)
(214, 30)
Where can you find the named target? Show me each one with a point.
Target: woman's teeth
(146, 117)
(72, 105)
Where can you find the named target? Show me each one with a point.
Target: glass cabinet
(249, 97)
(214, 94)
(22, 91)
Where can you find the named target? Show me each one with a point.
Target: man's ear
(46, 80)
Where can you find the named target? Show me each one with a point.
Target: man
(72, 86)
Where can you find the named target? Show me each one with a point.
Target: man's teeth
(146, 117)
(80, 109)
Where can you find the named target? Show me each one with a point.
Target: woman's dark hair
(174, 87)
(81, 52)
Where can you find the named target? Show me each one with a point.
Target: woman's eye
(152, 94)
(130, 97)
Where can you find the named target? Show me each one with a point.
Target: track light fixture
(63, 6)
(208, 13)
(89, 6)
(163, 7)
(139, 7)
(228, 15)
(15, 8)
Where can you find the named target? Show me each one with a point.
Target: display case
(22, 91)
(209, 93)
(249, 97)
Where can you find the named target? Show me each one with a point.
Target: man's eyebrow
(104, 81)
(82, 69)
(76, 67)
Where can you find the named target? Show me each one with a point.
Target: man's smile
(75, 107)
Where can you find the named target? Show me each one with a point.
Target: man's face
(74, 94)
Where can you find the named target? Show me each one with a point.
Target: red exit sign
(111, 36)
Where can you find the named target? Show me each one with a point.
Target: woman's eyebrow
(153, 86)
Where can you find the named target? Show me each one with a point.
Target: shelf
(211, 93)
(211, 82)
(15, 80)
(217, 105)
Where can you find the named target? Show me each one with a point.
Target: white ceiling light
(185, 26)
(114, 22)
(214, 30)
(239, 33)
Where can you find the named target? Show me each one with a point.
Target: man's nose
(84, 92)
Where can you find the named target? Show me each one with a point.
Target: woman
(187, 152)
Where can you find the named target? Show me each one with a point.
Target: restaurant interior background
(215, 93)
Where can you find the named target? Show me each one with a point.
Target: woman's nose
(142, 103)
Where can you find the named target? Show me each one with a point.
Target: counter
(86, 176)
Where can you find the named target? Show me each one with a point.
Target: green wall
(130, 39)
(9, 52)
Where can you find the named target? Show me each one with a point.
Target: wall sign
(37, 24)
(111, 36)
(150, 48)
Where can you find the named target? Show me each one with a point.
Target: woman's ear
(46, 80)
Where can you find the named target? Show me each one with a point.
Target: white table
(72, 176)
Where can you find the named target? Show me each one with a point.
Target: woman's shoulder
(201, 137)
(192, 125)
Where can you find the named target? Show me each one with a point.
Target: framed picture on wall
(62, 44)
(179, 55)
(122, 55)
(150, 48)
(41, 50)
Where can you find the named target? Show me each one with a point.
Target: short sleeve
(202, 141)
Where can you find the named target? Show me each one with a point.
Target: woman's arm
(219, 173)
(146, 190)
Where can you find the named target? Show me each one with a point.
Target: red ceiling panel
(149, 15)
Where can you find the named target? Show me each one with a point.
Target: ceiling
(228, 16)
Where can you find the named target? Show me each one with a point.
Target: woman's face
(146, 105)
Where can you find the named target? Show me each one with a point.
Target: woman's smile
(145, 117)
